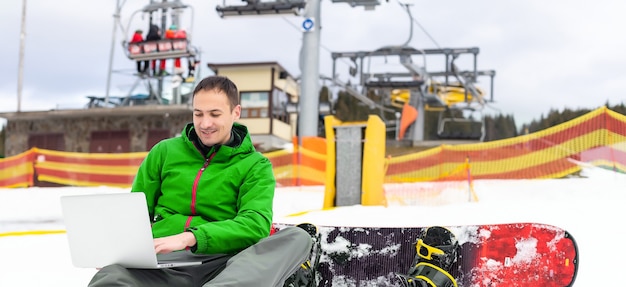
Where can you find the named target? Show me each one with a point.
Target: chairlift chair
(165, 48)
(454, 126)
(161, 50)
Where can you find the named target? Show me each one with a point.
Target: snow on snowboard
(516, 254)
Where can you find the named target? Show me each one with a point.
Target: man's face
(212, 117)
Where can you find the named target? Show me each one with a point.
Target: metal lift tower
(309, 56)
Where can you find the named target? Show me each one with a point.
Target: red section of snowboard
(519, 254)
(524, 255)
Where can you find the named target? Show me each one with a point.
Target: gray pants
(267, 263)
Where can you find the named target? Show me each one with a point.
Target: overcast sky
(547, 54)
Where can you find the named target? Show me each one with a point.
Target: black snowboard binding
(437, 249)
(305, 276)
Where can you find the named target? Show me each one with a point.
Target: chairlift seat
(162, 49)
(459, 128)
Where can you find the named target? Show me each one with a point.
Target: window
(279, 104)
(254, 104)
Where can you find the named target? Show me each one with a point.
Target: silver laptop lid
(104, 229)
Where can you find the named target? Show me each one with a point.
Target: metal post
(20, 73)
(349, 165)
(309, 67)
(176, 94)
(163, 29)
(418, 130)
(116, 18)
(397, 129)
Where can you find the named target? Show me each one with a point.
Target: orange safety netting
(87, 169)
(598, 137)
(17, 171)
(306, 165)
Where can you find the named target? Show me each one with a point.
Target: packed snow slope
(591, 208)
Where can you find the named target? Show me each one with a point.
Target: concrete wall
(77, 130)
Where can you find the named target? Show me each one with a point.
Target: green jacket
(224, 197)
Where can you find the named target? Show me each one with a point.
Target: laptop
(114, 228)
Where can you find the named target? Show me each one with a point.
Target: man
(154, 34)
(174, 33)
(142, 66)
(210, 194)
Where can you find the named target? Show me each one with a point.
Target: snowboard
(515, 254)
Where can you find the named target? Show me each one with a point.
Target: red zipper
(194, 189)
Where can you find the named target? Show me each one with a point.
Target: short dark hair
(220, 83)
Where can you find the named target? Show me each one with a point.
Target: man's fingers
(170, 243)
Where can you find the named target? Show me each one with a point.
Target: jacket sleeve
(148, 177)
(254, 215)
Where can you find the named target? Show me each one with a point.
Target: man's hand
(174, 243)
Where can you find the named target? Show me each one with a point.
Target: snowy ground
(589, 208)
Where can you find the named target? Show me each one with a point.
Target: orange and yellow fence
(17, 171)
(598, 137)
(450, 188)
(304, 166)
(87, 169)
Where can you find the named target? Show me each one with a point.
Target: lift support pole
(309, 67)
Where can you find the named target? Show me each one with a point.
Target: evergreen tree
(555, 117)
(325, 95)
(323, 99)
(621, 109)
(499, 127)
(350, 109)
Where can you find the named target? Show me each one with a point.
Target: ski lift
(454, 124)
(165, 48)
(454, 120)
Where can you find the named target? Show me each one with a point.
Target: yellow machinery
(399, 97)
(454, 94)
